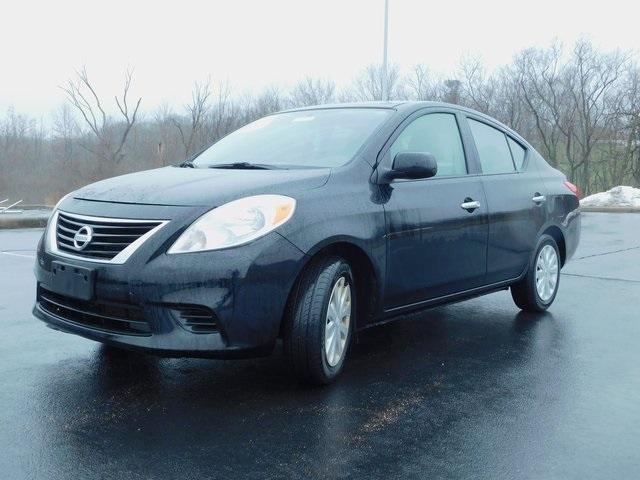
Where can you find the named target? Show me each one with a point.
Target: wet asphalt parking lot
(471, 390)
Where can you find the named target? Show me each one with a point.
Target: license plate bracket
(72, 281)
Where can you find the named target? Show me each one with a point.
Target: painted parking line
(16, 254)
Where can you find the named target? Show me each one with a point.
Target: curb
(611, 209)
(10, 221)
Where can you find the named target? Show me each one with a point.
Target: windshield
(312, 138)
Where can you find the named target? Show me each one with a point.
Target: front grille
(106, 317)
(109, 236)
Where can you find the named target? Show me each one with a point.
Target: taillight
(574, 189)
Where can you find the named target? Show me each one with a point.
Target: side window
(495, 156)
(517, 152)
(435, 133)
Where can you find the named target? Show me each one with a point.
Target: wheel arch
(556, 233)
(366, 276)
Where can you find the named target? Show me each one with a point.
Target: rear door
(515, 199)
(435, 247)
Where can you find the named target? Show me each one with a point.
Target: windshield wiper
(187, 164)
(243, 166)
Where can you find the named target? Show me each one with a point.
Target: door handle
(469, 205)
(539, 199)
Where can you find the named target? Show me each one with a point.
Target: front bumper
(245, 287)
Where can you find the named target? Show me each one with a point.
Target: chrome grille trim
(104, 222)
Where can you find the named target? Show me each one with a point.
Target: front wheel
(537, 290)
(320, 320)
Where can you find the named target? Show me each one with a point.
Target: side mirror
(412, 165)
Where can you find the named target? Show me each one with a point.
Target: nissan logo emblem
(83, 237)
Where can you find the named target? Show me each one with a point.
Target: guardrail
(8, 209)
(27, 216)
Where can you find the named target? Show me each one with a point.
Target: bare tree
(370, 85)
(495, 94)
(313, 91)
(591, 78)
(580, 109)
(223, 116)
(166, 140)
(420, 84)
(475, 91)
(270, 100)
(65, 129)
(109, 134)
(628, 111)
(540, 85)
(196, 113)
(13, 129)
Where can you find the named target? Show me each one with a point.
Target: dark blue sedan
(308, 225)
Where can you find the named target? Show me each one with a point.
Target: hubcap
(336, 328)
(546, 273)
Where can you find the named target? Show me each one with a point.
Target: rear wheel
(320, 320)
(537, 290)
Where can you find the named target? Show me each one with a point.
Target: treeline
(579, 106)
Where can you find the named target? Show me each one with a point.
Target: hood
(200, 186)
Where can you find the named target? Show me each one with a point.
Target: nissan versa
(308, 225)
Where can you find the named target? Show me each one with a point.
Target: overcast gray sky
(254, 43)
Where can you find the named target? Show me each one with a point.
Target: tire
(308, 322)
(525, 293)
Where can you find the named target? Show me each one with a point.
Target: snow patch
(621, 196)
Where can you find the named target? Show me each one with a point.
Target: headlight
(235, 223)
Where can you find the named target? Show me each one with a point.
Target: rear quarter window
(494, 152)
(518, 152)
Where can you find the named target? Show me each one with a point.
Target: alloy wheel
(546, 273)
(338, 319)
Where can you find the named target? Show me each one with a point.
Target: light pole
(385, 77)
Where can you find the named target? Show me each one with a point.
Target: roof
(408, 107)
(409, 104)
(372, 104)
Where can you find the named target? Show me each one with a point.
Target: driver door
(435, 247)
